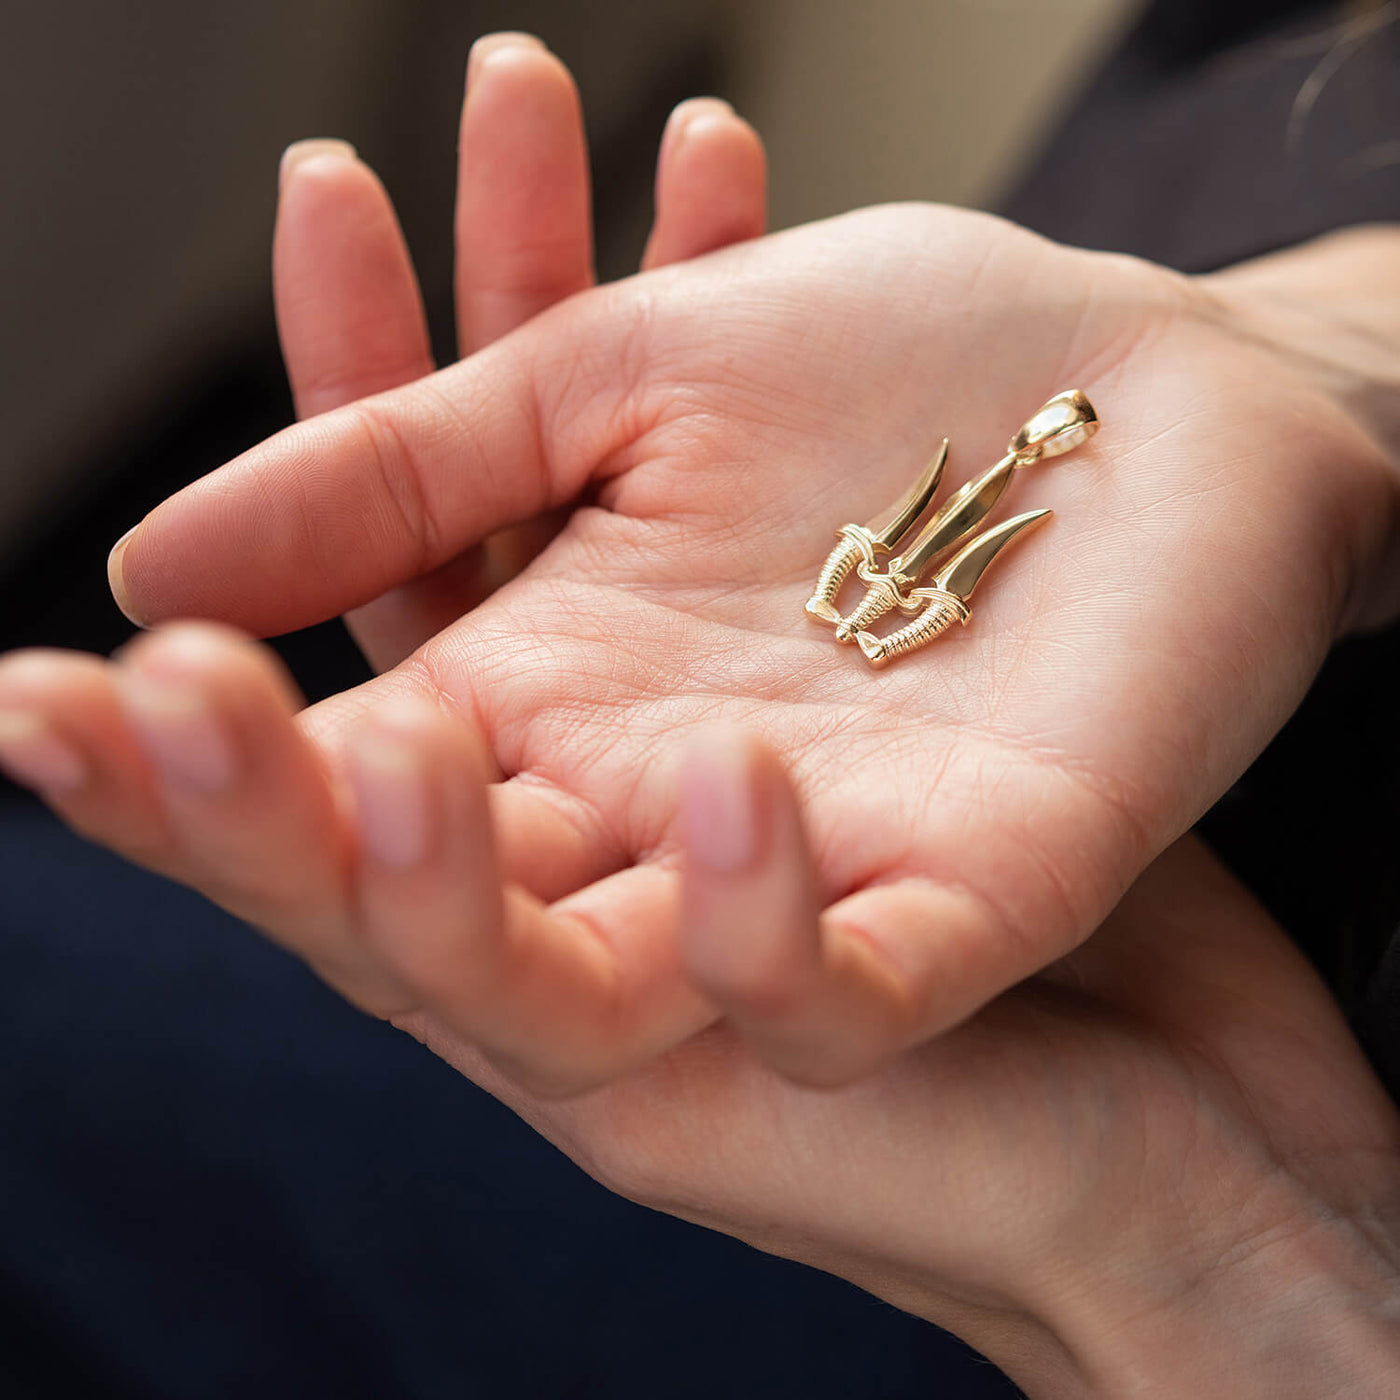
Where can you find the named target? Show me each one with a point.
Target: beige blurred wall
(899, 99)
(142, 136)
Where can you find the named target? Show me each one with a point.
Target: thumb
(334, 511)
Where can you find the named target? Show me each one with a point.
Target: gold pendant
(1066, 422)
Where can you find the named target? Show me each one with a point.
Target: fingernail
(116, 578)
(718, 809)
(34, 755)
(687, 112)
(391, 798)
(180, 731)
(494, 43)
(300, 151)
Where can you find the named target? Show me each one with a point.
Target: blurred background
(136, 335)
(214, 1176)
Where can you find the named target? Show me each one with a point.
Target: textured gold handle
(883, 595)
(856, 546)
(876, 603)
(943, 611)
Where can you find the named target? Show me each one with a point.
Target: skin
(975, 812)
(499, 846)
(349, 310)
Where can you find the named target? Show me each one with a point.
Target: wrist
(1306, 1307)
(1329, 313)
(1285, 1287)
(1332, 307)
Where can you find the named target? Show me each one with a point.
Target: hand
(348, 305)
(351, 319)
(1161, 1169)
(975, 812)
(242, 805)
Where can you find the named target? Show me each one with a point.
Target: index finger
(334, 511)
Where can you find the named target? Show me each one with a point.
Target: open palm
(975, 811)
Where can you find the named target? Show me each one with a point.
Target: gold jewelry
(863, 544)
(946, 601)
(1064, 423)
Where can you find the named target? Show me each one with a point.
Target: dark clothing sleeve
(1206, 139)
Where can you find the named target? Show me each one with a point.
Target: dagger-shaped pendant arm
(865, 543)
(944, 609)
(968, 566)
(948, 598)
(889, 527)
(959, 515)
(855, 548)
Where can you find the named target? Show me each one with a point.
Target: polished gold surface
(964, 571)
(863, 544)
(946, 602)
(942, 612)
(1067, 421)
(954, 520)
(1061, 425)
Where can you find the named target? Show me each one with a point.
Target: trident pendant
(1065, 423)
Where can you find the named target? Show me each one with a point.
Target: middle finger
(524, 215)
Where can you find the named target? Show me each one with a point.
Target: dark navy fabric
(218, 1180)
(1206, 142)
